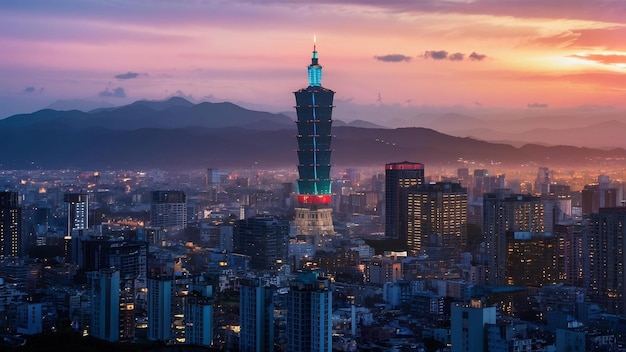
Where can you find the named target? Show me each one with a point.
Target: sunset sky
(517, 54)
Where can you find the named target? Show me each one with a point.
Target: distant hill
(78, 104)
(173, 113)
(177, 134)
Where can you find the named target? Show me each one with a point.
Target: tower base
(315, 225)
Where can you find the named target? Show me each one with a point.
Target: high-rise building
(199, 315)
(105, 304)
(597, 196)
(398, 178)
(168, 210)
(485, 183)
(606, 246)
(505, 211)
(10, 225)
(309, 317)
(159, 308)
(314, 107)
(77, 211)
(265, 239)
(467, 326)
(532, 259)
(256, 316)
(436, 218)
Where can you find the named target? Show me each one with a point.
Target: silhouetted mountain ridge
(180, 135)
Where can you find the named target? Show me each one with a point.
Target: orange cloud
(607, 59)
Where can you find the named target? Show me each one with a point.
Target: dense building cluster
(374, 259)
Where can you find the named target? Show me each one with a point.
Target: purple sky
(393, 57)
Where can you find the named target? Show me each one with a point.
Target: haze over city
(385, 59)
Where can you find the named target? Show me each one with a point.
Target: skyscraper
(159, 308)
(436, 218)
(532, 259)
(10, 225)
(256, 316)
(77, 211)
(199, 315)
(399, 177)
(606, 253)
(105, 305)
(309, 314)
(168, 210)
(504, 211)
(264, 239)
(314, 106)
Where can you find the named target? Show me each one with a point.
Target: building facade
(436, 218)
(159, 308)
(199, 315)
(264, 239)
(398, 178)
(505, 211)
(256, 315)
(77, 211)
(467, 326)
(168, 210)
(606, 245)
(105, 305)
(309, 314)
(11, 242)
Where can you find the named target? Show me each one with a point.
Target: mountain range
(176, 133)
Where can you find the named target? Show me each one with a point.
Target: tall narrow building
(199, 314)
(168, 210)
(77, 211)
(398, 178)
(436, 219)
(10, 225)
(314, 106)
(606, 253)
(105, 304)
(505, 211)
(159, 308)
(309, 314)
(256, 316)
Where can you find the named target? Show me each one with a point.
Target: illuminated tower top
(315, 69)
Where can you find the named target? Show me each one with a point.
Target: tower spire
(314, 69)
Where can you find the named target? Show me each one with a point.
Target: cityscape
(180, 224)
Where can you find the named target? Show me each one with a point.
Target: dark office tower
(595, 197)
(606, 243)
(77, 211)
(398, 178)
(505, 211)
(10, 225)
(314, 107)
(105, 304)
(436, 219)
(168, 210)
(256, 316)
(264, 239)
(199, 315)
(309, 314)
(532, 259)
(160, 308)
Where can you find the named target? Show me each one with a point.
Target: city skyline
(481, 55)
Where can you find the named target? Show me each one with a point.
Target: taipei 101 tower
(314, 107)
